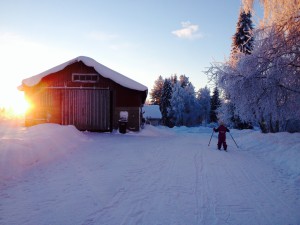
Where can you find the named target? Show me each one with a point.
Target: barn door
(87, 109)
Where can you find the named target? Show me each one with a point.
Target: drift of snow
(101, 69)
(20, 150)
(52, 174)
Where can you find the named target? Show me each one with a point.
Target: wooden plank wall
(86, 109)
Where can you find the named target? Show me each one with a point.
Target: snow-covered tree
(282, 14)
(204, 103)
(176, 112)
(264, 86)
(226, 113)
(165, 103)
(191, 107)
(177, 101)
(242, 44)
(173, 79)
(184, 108)
(184, 81)
(156, 92)
(243, 38)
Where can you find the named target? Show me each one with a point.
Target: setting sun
(14, 104)
(20, 107)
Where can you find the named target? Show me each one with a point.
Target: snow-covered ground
(51, 174)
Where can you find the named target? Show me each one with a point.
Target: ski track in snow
(131, 179)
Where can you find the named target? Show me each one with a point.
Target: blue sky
(138, 38)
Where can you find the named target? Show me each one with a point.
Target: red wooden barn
(83, 93)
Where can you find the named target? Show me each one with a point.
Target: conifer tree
(157, 91)
(204, 104)
(215, 104)
(242, 43)
(184, 80)
(191, 112)
(165, 103)
(177, 101)
(173, 79)
(243, 38)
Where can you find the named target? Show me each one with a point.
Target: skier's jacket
(222, 132)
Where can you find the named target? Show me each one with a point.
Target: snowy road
(156, 178)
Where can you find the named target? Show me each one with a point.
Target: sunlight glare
(16, 105)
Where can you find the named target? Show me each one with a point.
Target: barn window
(87, 78)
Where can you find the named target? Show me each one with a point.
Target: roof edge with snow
(101, 69)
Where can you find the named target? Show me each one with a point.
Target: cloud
(188, 31)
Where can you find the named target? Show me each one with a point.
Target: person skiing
(222, 135)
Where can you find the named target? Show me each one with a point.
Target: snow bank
(282, 149)
(21, 148)
(153, 131)
(163, 131)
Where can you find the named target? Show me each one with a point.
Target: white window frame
(82, 77)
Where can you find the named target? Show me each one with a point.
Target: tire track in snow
(198, 172)
(229, 189)
(142, 182)
(205, 196)
(211, 188)
(140, 194)
(204, 204)
(229, 202)
(104, 211)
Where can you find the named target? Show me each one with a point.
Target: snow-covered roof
(101, 69)
(152, 112)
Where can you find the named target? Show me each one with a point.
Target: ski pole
(234, 140)
(211, 137)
